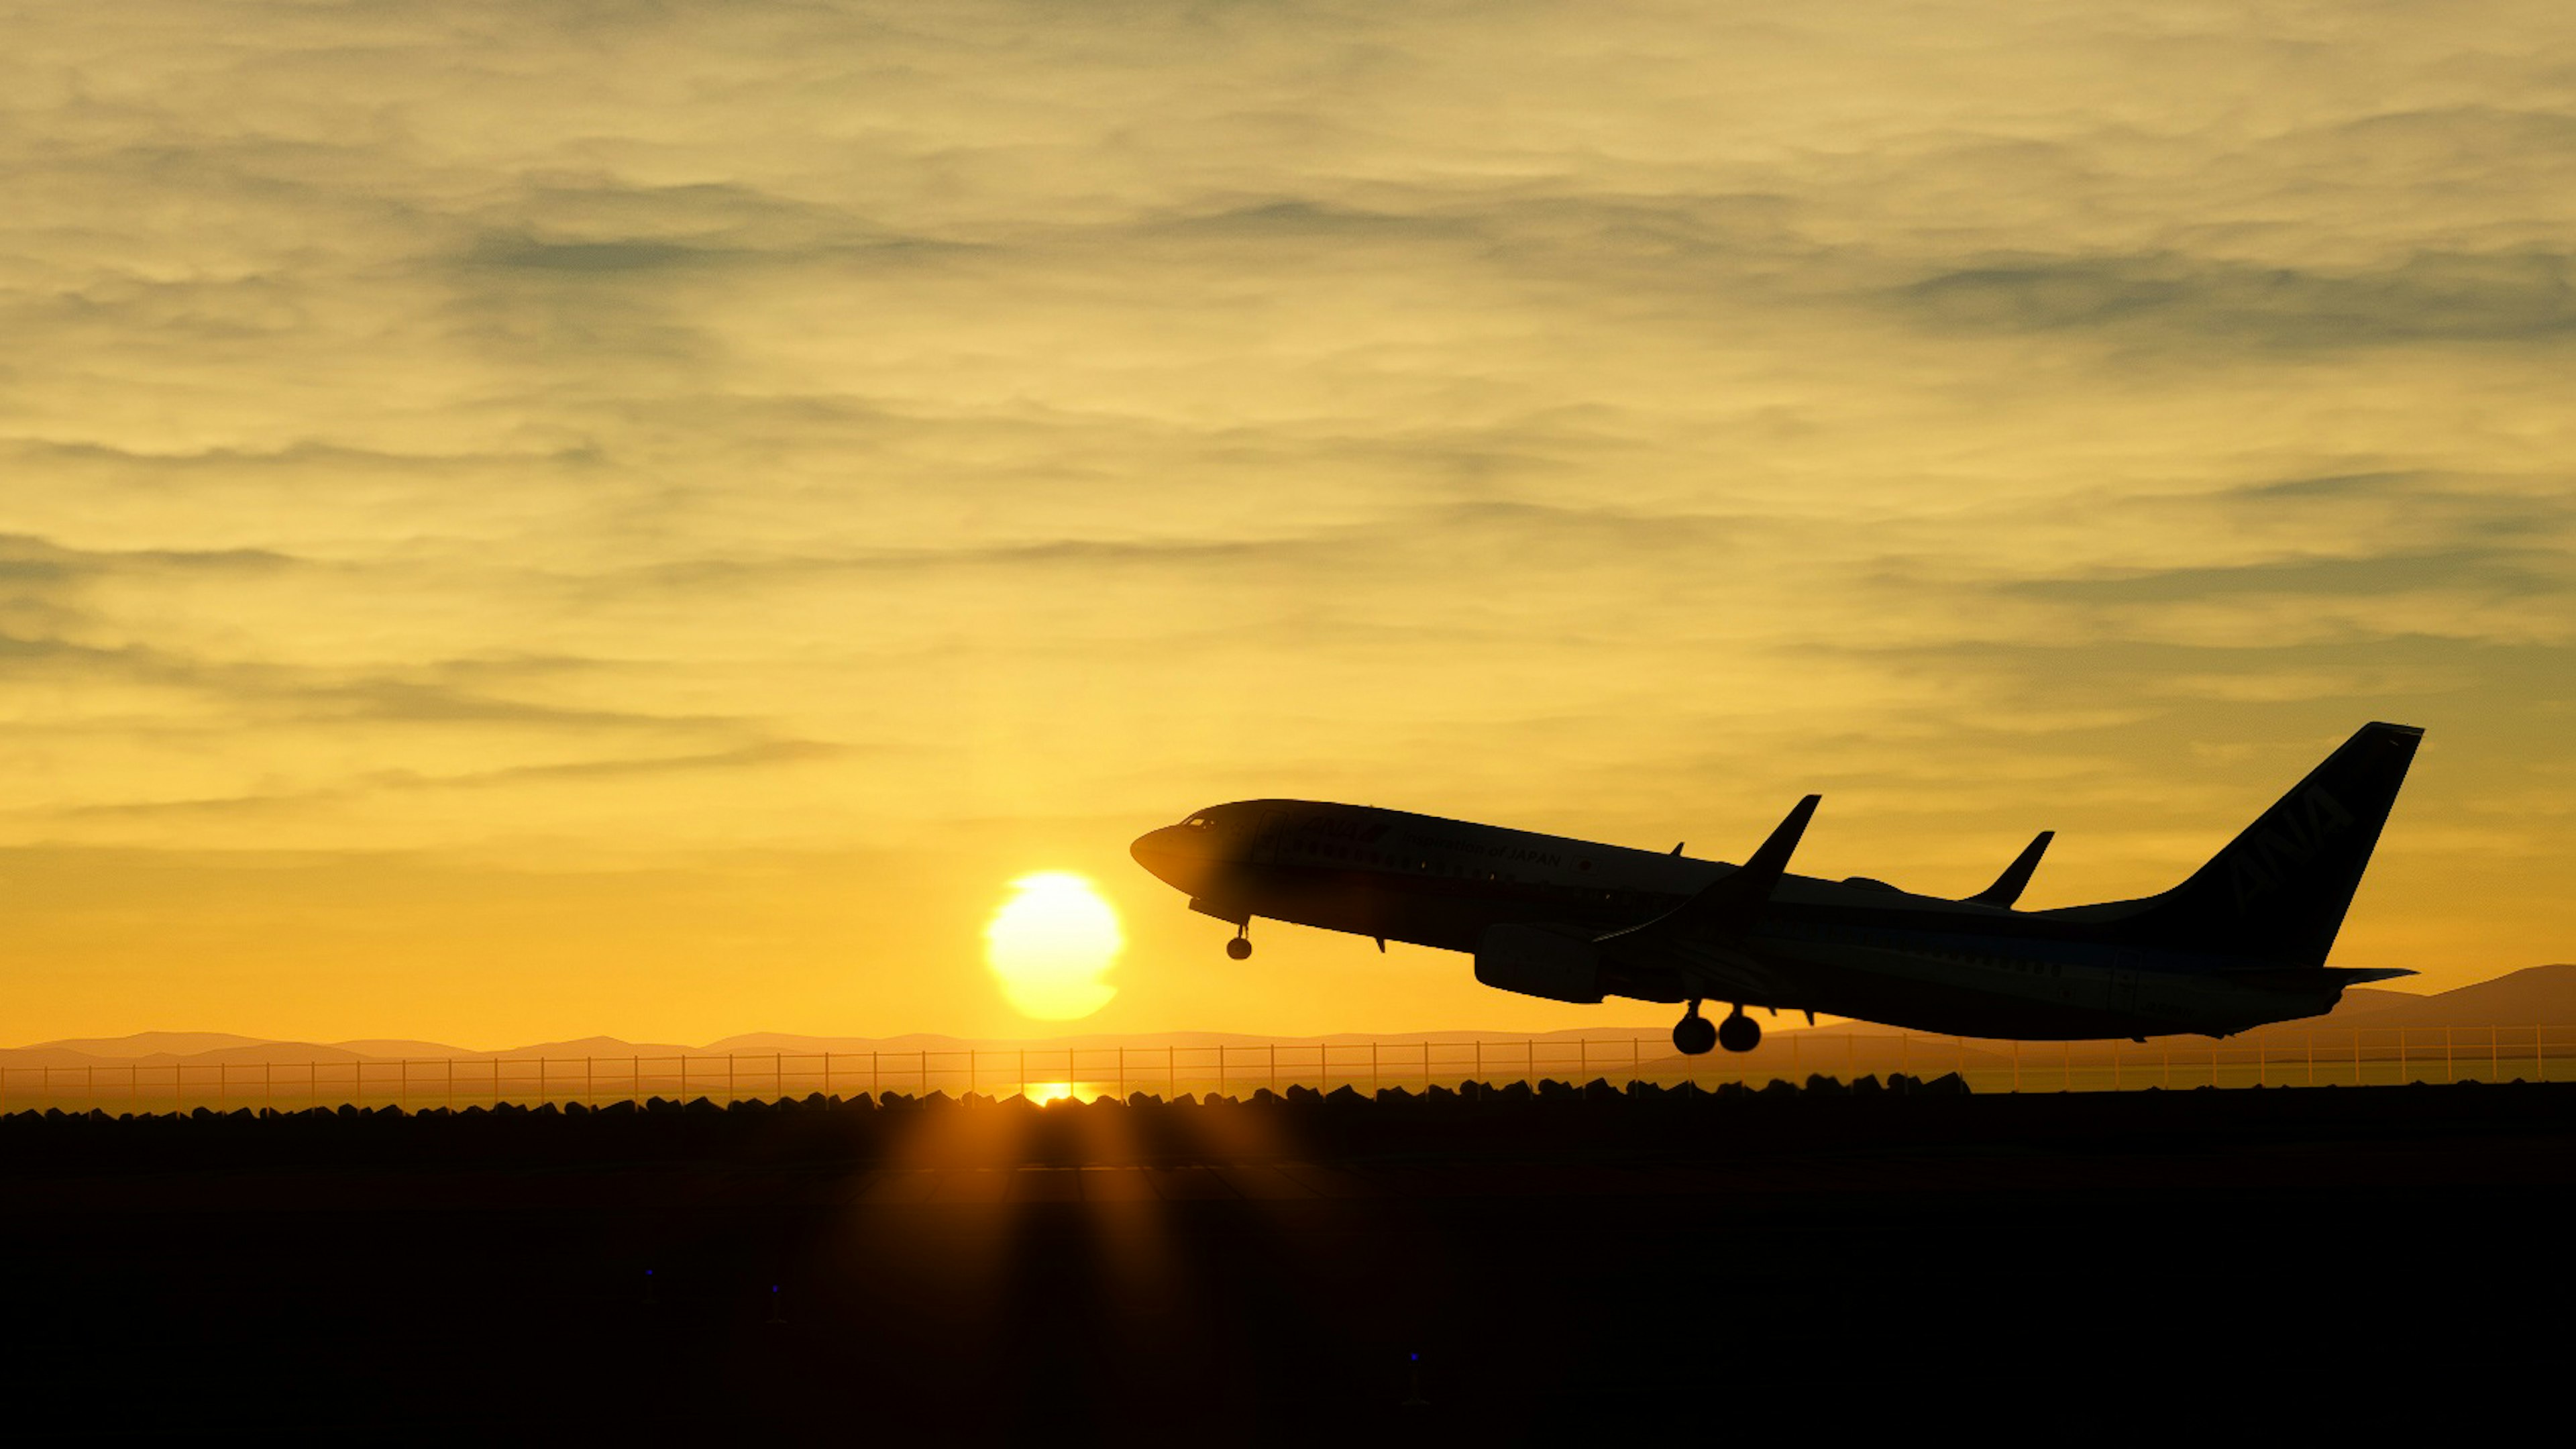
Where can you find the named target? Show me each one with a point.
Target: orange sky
(519, 521)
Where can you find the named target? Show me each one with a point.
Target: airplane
(2240, 943)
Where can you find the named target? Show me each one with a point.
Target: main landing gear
(1240, 948)
(1694, 1034)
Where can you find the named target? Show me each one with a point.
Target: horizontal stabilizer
(2355, 975)
(1730, 903)
(2016, 877)
(2309, 978)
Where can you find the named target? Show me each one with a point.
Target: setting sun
(1049, 945)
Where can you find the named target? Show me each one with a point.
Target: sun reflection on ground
(1040, 1094)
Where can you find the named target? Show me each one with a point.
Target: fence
(2347, 1056)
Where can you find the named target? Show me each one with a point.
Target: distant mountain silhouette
(766, 1041)
(395, 1049)
(601, 1046)
(149, 1043)
(2362, 1000)
(255, 1052)
(2534, 996)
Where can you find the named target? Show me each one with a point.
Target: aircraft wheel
(1694, 1035)
(1239, 948)
(1739, 1033)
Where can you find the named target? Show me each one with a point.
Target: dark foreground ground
(1824, 1264)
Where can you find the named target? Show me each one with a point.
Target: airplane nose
(1151, 848)
(1164, 853)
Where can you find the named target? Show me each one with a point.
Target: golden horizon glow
(1050, 943)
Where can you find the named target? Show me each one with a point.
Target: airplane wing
(1728, 906)
(2016, 877)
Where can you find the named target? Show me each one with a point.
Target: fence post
(2495, 1067)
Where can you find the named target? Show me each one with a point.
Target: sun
(1049, 945)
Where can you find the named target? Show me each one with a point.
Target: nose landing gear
(1240, 948)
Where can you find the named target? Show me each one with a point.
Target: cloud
(2428, 297)
(568, 409)
(2490, 571)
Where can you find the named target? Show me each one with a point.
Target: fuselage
(1850, 948)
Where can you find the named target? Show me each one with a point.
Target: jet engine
(1535, 961)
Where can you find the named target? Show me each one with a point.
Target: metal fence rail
(2343, 1056)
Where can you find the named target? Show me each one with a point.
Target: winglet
(2016, 877)
(1729, 904)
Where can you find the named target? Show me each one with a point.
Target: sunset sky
(534, 519)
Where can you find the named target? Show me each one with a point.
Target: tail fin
(2278, 892)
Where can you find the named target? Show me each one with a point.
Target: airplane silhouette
(2240, 943)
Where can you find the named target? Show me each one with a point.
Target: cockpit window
(1197, 822)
